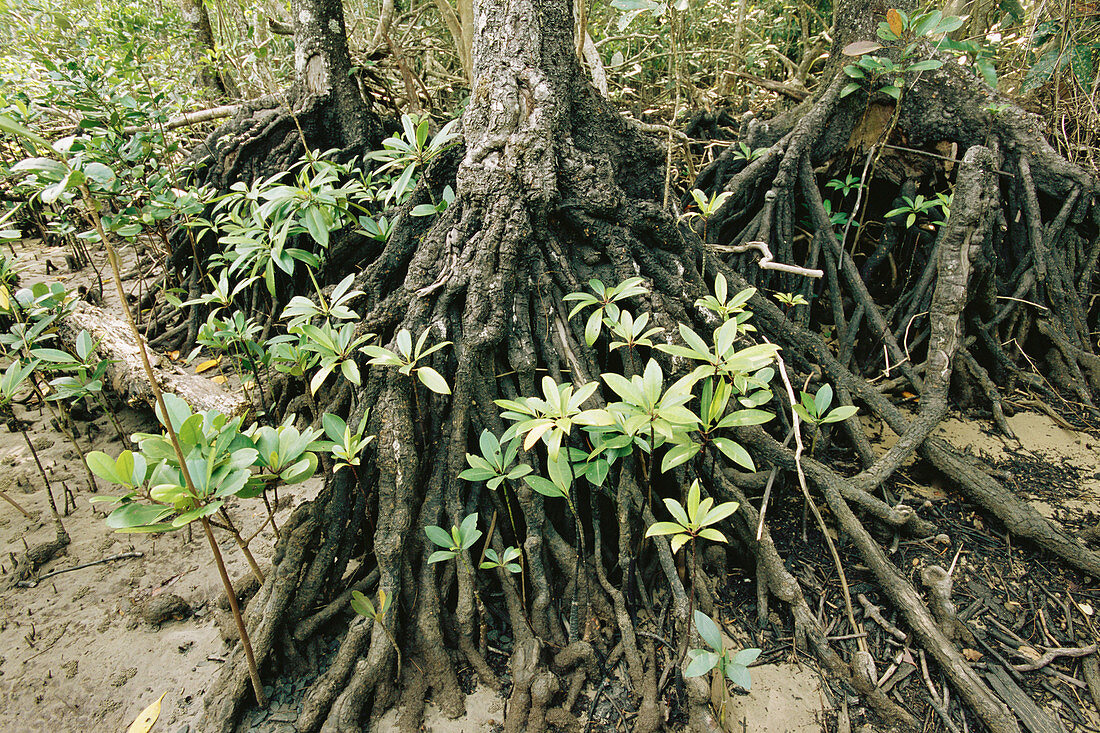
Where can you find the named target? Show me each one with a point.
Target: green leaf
(948, 25)
(849, 89)
(99, 173)
(136, 515)
(840, 414)
(439, 536)
(362, 605)
(11, 127)
(593, 326)
(738, 675)
(423, 210)
(926, 65)
(433, 380)
(678, 455)
(440, 556)
(708, 630)
(404, 342)
(709, 533)
(350, 370)
(745, 657)
(676, 509)
(823, 399)
(103, 465)
(320, 377)
(718, 513)
(735, 452)
(544, 486)
(658, 529)
(745, 417)
(467, 528)
(191, 516)
(700, 662)
(334, 426)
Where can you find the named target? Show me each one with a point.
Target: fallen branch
(873, 612)
(188, 118)
(103, 561)
(767, 262)
(126, 375)
(1051, 654)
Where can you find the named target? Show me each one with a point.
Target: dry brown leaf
(144, 722)
(972, 655)
(893, 19)
(173, 355)
(207, 365)
(220, 379)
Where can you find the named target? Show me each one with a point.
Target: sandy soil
(76, 654)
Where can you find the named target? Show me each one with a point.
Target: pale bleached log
(126, 376)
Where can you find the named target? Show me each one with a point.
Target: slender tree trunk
(210, 73)
(323, 65)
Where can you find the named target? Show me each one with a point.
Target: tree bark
(554, 188)
(210, 73)
(323, 65)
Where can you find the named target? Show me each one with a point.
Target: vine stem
(522, 556)
(112, 257)
(856, 628)
(580, 577)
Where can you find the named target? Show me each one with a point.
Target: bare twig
(102, 561)
(1054, 653)
(767, 262)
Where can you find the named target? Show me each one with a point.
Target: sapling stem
(488, 538)
(271, 512)
(14, 503)
(112, 257)
(580, 579)
(691, 607)
(243, 545)
(112, 416)
(41, 470)
(522, 556)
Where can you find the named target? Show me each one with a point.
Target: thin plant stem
(112, 257)
(14, 503)
(259, 575)
(112, 416)
(580, 578)
(41, 470)
(271, 512)
(522, 556)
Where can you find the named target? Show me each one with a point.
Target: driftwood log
(125, 374)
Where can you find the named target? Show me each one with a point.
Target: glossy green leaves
(695, 519)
